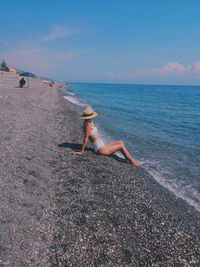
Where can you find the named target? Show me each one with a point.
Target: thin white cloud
(195, 67)
(39, 60)
(169, 69)
(59, 32)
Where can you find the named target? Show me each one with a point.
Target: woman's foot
(135, 163)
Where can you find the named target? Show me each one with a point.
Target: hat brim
(83, 117)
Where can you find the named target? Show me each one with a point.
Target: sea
(159, 124)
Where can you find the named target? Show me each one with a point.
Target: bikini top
(93, 131)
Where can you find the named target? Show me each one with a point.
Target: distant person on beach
(22, 82)
(91, 133)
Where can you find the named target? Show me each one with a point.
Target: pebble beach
(60, 209)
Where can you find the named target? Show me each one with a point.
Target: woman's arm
(87, 134)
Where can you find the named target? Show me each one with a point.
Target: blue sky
(104, 41)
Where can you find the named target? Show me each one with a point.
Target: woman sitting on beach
(90, 132)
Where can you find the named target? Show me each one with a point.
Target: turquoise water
(159, 124)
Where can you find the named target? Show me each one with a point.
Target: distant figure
(91, 133)
(51, 83)
(22, 82)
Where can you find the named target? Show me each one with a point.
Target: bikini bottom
(97, 144)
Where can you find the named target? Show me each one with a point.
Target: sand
(60, 209)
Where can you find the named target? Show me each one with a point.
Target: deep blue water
(159, 124)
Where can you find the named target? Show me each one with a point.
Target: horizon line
(131, 83)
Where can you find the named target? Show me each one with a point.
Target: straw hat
(88, 114)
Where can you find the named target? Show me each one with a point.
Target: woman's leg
(115, 146)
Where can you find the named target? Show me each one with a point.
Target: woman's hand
(87, 133)
(78, 153)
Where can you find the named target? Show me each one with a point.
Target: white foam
(70, 93)
(180, 191)
(74, 100)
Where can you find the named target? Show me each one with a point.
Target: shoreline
(75, 109)
(151, 198)
(152, 169)
(60, 209)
